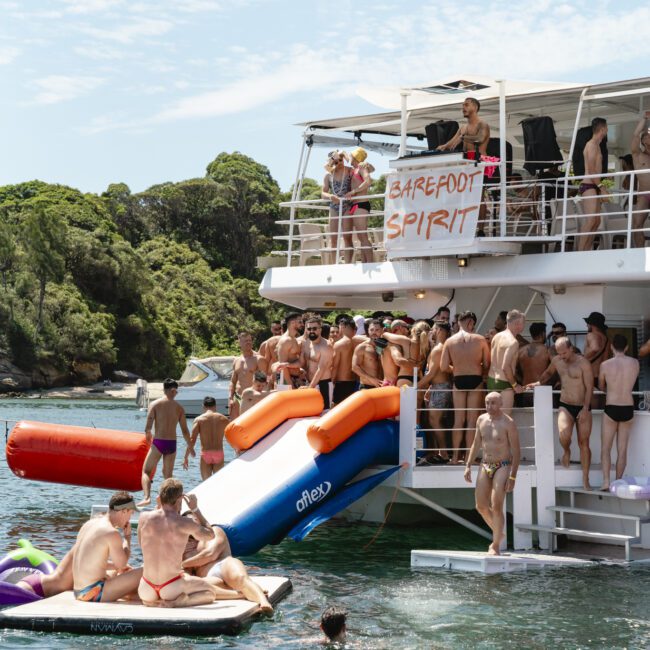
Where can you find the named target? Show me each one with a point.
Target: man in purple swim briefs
(165, 413)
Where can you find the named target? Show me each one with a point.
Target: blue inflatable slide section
(282, 485)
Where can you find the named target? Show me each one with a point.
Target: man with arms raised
(345, 381)
(589, 188)
(533, 359)
(243, 369)
(317, 356)
(165, 413)
(287, 367)
(641, 157)
(213, 561)
(438, 394)
(210, 426)
(617, 379)
(467, 356)
(597, 347)
(255, 393)
(163, 535)
(504, 351)
(577, 381)
(99, 542)
(366, 360)
(497, 436)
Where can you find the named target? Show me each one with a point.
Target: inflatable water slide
(293, 471)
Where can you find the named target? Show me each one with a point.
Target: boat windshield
(192, 375)
(222, 366)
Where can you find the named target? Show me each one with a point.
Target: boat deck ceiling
(560, 101)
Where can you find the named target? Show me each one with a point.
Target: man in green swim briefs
(504, 351)
(497, 436)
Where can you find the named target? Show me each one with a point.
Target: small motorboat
(202, 378)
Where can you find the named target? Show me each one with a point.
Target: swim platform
(63, 613)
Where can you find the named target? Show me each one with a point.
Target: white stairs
(589, 511)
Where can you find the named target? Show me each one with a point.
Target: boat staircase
(599, 517)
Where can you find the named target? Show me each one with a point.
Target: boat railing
(550, 214)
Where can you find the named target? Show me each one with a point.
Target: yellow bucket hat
(359, 154)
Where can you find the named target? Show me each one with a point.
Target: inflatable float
(17, 565)
(60, 453)
(631, 487)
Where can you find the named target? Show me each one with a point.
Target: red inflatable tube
(60, 453)
(271, 412)
(346, 418)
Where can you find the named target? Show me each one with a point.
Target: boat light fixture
(420, 294)
(462, 261)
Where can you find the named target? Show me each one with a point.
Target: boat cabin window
(192, 375)
(223, 367)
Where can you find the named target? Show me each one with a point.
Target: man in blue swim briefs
(99, 541)
(497, 436)
(165, 413)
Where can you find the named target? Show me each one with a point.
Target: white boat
(521, 255)
(209, 377)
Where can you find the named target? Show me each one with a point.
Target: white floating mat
(483, 563)
(63, 613)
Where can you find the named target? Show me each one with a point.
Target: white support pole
(295, 195)
(544, 460)
(503, 156)
(408, 417)
(403, 123)
(522, 510)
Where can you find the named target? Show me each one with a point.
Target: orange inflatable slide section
(60, 453)
(345, 419)
(270, 413)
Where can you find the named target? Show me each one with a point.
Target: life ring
(17, 565)
(631, 487)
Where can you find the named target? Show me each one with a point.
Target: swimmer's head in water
(171, 490)
(332, 622)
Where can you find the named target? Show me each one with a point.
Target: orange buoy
(346, 418)
(59, 453)
(243, 432)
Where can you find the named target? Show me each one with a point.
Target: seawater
(389, 604)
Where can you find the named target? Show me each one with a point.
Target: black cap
(597, 319)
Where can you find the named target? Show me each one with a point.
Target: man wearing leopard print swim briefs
(497, 436)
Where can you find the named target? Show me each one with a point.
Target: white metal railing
(549, 212)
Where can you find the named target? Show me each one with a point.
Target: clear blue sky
(101, 91)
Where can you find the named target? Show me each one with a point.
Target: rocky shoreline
(94, 391)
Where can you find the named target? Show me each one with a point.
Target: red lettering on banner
(462, 182)
(395, 190)
(409, 219)
(472, 176)
(391, 225)
(407, 188)
(419, 182)
(431, 186)
(464, 213)
(437, 218)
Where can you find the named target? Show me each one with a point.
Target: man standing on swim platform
(165, 413)
(617, 378)
(577, 380)
(497, 436)
(467, 356)
(504, 350)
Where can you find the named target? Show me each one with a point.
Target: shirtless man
(243, 369)
(532, 360)
(497, 436)
(366, 360)
(641, 156)
(401, 356)
(474, 135)
(467, 356)
(589, 188)
(335, 334)
(597, 347)
(99, 542)
(209, 426)
(287, 367)
(269, 353)
(345, 381)
(163, 535)
(438, 395)
(644, 350)
(317, 356)
(51, 584)
(213, 561)
(165, 413)
(255, 393)
(276, 328)
(504, 350)
(443, 315)
(577, 380)
(617, 379)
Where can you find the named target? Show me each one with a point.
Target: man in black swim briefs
(577, 381)
(617, 378)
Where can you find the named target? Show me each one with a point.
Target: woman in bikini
(336, 189)
(360, 209)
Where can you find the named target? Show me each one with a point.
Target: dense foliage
(136, 281)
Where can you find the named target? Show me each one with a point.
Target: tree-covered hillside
(135, 281)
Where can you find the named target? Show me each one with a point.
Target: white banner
(433, 209)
